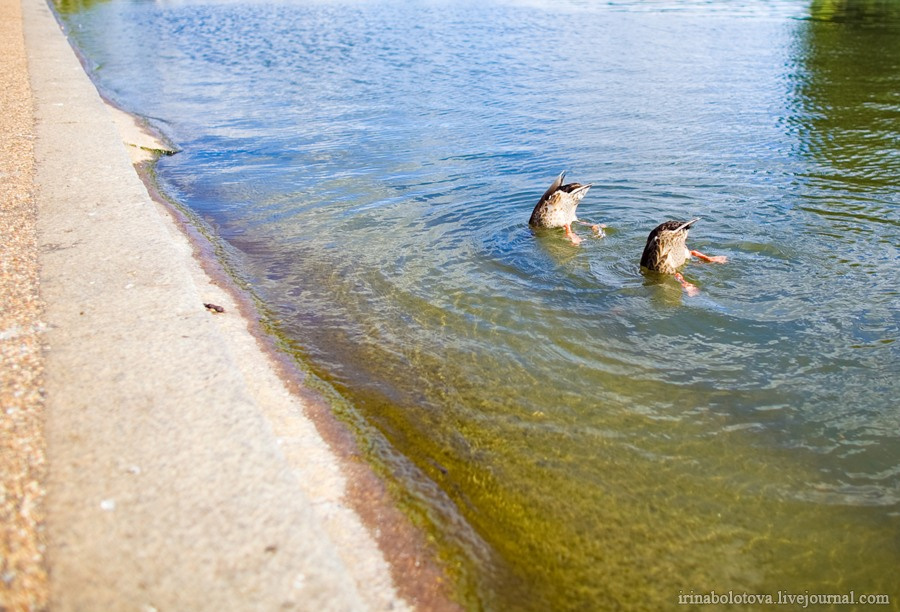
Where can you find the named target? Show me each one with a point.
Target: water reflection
(73, 7)
(859, 12)
(846, 118)
(848, 106)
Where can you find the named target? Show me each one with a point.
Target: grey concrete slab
(167, 486)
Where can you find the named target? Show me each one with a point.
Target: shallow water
(575, 435)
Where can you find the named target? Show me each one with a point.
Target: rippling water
(575, 435)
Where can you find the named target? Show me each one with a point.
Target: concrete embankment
(182, 472)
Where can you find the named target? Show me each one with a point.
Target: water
(574, 435)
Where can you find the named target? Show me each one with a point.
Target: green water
(572, 434)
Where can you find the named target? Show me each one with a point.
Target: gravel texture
(23, 576)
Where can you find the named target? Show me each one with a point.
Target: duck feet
(709, 258)
(572, 236)
(597, 228)
(689, 288)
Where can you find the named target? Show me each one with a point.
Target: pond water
(573, 434)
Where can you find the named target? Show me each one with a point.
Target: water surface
(575, 435)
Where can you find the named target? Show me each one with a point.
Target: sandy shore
(185, 467)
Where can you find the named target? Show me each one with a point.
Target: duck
(556, 208)
(666, 251)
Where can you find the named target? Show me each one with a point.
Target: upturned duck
(556, 208)
(666, 251)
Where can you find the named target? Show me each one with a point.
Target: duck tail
(556, 185)
(582, 190)
(687, 224)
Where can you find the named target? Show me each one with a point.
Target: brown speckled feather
(666, 249)
(556, 208)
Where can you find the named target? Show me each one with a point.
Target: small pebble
(299, 581)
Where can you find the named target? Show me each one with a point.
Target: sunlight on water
(576, 435)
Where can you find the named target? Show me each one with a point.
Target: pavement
(183, 474)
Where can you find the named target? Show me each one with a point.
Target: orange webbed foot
(575, 238)
(709, 258)
(689, 288)
(597, 228)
